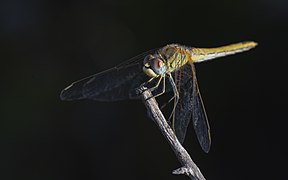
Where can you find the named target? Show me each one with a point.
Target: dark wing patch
(190, 107)
(111, 85)
(199, 117)
(115, 84)
(183, 113)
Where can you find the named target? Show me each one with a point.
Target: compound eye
(157, 64)
(147, 60)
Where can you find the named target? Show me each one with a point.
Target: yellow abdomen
(204, 54)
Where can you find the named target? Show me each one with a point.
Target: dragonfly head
(153, 66)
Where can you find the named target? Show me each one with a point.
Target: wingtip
(62, 95)
(206, 145)
(68, 94)
(206, 149)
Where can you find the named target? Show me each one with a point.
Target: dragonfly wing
(199, 117)
(183, 113)
(111, 85)
(190, 107)
(74, 91)
(115, 84)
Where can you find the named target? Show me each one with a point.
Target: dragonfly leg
(156, 86)
(164, 105)
(158, 83)
(176, 98)
(163, 88)
(143, 85)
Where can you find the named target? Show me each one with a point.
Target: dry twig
(188, 168)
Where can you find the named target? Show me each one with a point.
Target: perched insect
(174, 63)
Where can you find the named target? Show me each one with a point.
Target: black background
(46, 45)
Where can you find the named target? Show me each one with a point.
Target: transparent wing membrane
(115, 84)
(190, 107)
(183, 113)
(199, 117)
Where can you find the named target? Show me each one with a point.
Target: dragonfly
(166, 69)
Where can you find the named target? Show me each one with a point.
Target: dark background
(46, 45)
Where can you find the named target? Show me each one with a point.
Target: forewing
(115, 84)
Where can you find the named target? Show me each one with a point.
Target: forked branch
(188, 168)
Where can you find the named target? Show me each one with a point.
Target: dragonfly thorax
(153, 66)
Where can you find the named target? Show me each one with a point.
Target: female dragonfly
(173, 63)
